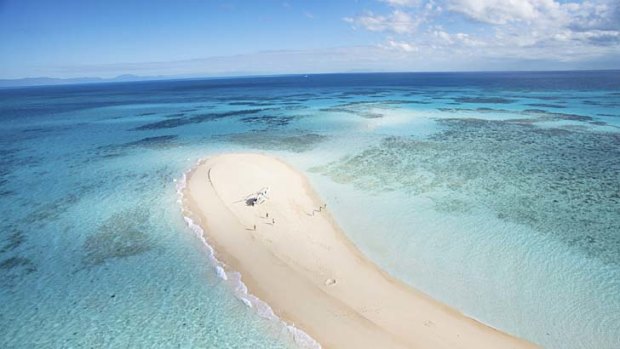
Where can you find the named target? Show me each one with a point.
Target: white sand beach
(309, 272)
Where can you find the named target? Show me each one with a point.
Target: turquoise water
(496, 193)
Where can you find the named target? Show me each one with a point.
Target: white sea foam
(302, 338)
(181, 184)
(221, 273)
(233, 279)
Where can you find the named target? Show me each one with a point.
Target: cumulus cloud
(589, 14)
(503, 11)
(516, 29)
(601, 15)
(398, 22)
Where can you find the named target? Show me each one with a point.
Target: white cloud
(402, 3)
(593, 14)
(398, 46)
(603, 15)
(457, 39)
(594, 37)
(526, 30)
(503, 11)
(398, 21)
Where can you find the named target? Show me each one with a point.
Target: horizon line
(95, 80)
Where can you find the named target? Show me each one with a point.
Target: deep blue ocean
(496, 193)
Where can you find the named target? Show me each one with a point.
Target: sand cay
(294, 257)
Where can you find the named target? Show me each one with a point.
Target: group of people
(260, 196)
(273, 221)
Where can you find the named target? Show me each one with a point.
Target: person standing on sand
(254, 227)
(273, 221)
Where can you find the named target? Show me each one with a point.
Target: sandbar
(293, 256)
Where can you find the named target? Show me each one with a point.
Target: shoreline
(306, 270)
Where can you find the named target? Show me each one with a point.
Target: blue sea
(496, 193)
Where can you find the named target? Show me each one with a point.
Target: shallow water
(495, 193)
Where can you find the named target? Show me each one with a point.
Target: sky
(187, 38)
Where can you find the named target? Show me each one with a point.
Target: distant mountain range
(41, 81)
